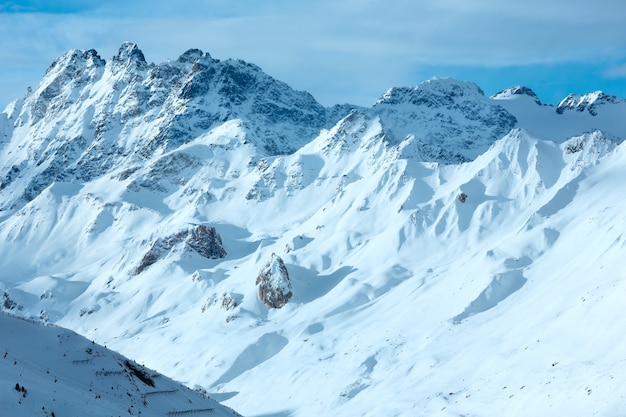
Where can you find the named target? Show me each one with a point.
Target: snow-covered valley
(441, 253)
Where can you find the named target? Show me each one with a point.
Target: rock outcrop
(201, 239)
(274, 284)
(517, 91)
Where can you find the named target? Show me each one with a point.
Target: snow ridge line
(29, 320)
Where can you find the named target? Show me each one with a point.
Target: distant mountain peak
(75, 57)
(129, 56)
(435, 92)
(452, 121)
(129, 51)
(451, 84)
(588, 102)
(192, 55)
(514, 92)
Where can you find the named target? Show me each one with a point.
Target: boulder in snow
(274, 284)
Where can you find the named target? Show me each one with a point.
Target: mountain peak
(516, 92)
(435, 92)
(451, 120)
(130, 54)
(74, 69)
(192, 55)
(73, 58)
(588, 102)
(451, 84)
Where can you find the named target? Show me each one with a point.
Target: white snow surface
(50, 371)
(406, 300)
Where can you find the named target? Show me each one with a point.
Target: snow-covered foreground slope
(50, 371)
(412, 286)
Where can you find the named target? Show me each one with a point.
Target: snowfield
(447, 254)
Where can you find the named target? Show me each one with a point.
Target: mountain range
(439, 253)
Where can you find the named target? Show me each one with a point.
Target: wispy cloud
(617, 71)
(351, 50)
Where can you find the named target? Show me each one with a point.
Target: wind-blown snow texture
(406, 299)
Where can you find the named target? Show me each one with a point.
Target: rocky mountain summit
(588, 102)
(518, 90)
(451, 120)
(89, 117)
(81, 116)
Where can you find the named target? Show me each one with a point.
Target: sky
(348, 51)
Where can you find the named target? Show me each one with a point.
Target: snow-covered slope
(440, 253)
(50, 371)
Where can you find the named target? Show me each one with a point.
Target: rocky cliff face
(452, 121)
(88, 117)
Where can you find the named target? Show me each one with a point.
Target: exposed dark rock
(14, 171)
(205, 241)
(8, 303)
(229, 301)
(587, 102)
(139, 372)
(201, 239)
(518, 90)
(461, 121)
(574, 146)
(274, 284)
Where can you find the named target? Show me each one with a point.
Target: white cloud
(330, 47)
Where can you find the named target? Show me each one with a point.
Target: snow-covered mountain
(438, 253)
(575, 114)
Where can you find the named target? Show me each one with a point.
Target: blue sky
(340, 51)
